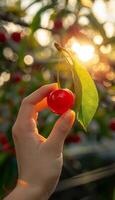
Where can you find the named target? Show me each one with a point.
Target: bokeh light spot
(43, 37)
(98, 39)
(28, 60)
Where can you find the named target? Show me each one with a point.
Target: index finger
(40, 93)
(28, 107)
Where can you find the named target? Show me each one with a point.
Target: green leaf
(75, 77)
(85, 89)
(21, 52)
(89, 95)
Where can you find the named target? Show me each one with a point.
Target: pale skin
(39, 160)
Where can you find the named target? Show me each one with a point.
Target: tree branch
(11, 18)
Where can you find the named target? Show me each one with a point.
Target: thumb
(61, 130)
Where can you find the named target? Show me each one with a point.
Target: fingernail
(55, 84)
(69, 116)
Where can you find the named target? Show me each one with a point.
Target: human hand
(39, 160)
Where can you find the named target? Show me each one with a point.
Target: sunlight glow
(84, 52)
(75, 47)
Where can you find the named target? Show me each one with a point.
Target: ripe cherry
(3, 139)
(2, 37)
(73, 139)
(16, 77)
(60, 100)
(16, 36)
(58, 25)
(8, 148)
(112, 124)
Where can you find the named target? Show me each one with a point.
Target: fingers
(28, 107)
(60, 131)
(41, 105)
(25, 123)
(39, 94)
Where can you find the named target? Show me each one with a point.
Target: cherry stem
(58, 81)
(63, 50)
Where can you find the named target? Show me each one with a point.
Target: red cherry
(73, 139)
(2, 37)
(16, 77)
(58, 25)
(3, 139)
(16, 36)
(59, 101)
(8, 149)
(112, 124)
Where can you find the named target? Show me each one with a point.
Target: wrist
(24, 191)
(31, 192)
